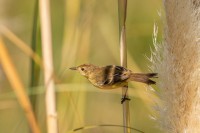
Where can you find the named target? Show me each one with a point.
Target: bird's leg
(124, 98)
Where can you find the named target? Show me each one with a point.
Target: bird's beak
(73, 68)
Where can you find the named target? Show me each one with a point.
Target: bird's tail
(143, 77)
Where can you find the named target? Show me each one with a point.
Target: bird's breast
(102, 85)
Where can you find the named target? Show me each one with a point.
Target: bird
(112, 76)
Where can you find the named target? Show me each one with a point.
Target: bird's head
(84, 69)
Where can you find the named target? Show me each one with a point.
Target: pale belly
(112, 86)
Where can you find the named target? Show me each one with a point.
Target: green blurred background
(83, 31)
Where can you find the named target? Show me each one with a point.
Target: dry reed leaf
(20, 44)
(17, 86)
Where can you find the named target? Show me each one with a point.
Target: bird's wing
(117, 75)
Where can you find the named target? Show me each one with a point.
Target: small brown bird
(111, 77)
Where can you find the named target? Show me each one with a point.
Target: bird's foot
(124, 99)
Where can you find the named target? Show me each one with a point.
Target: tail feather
(143, 77)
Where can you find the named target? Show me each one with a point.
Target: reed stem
(48, 66)
(122, 7)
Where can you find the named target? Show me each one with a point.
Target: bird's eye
(82, 69)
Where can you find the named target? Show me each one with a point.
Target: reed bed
(82, 32)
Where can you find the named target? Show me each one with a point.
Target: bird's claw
(124, 99)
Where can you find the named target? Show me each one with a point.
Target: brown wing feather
(143, 77)
(116, 75)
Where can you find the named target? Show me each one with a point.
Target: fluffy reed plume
(178, 64)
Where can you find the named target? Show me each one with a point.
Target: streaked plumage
(110, 77)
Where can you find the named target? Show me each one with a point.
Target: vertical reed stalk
(17, 86)
(122, 7)
(48, 66)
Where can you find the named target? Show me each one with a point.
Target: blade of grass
(122, 7)
(35, 69)
(48, 65)
(36, 47)
(17, 86)
(103, 125)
